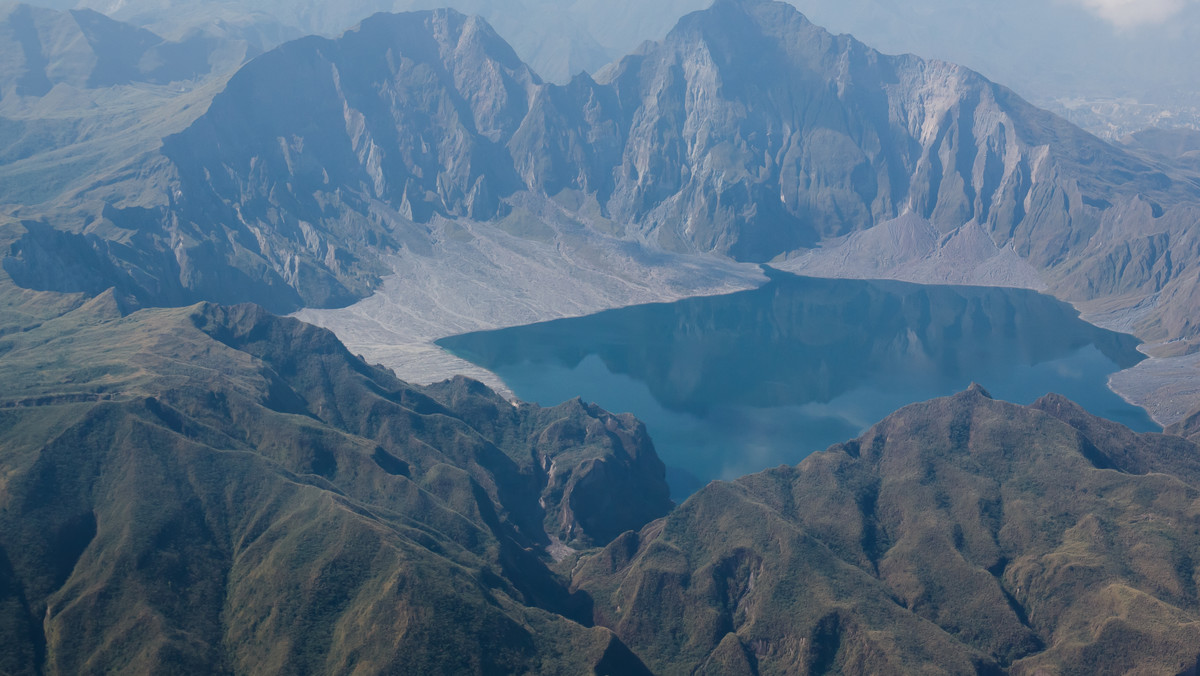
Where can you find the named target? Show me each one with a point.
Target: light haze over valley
(614, 337)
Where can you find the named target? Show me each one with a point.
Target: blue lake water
(729, 385)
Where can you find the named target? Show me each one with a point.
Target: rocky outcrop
(596, 473)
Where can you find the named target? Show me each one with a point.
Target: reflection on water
(734, 384)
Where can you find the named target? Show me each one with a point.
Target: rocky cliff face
(781, 135)
(322, 156)
(748, 132)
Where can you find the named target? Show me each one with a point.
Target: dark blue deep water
(730, 385)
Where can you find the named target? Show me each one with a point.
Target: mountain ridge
(86, 49)
(958, 535)
(216, 489)
(684, 148)
(214, 449)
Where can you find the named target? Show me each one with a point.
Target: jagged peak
(1055, 401)
(751, 5)
(768, 15)
(445, 16)
(446, 26)
(747, 32)
(975, 389)
(110, 304)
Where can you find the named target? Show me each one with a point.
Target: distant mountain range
(322, 153)
(40, 48)
(1109, 66)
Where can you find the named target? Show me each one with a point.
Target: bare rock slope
(748, 132)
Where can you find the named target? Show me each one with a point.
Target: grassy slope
(217, 489)
(959, 535)
(220, 490)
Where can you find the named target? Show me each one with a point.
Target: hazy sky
(1132, 13)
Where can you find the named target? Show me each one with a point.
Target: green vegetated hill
(218, 490)
(214, 489)
(961, 535)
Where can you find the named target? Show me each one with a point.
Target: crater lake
(729, 385)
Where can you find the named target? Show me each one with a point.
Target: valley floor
(481, 277)
(1168, 388)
